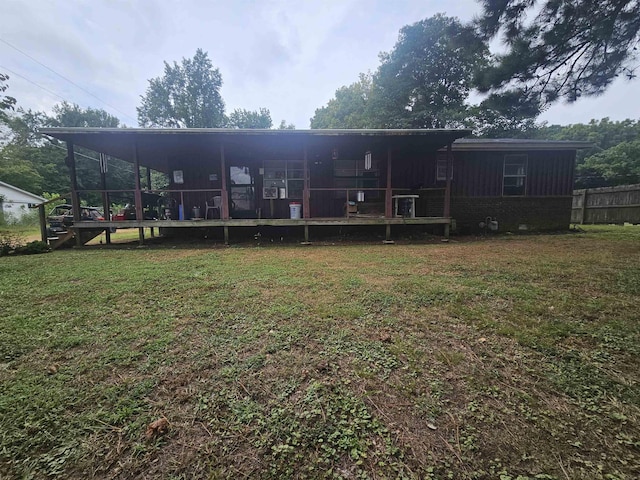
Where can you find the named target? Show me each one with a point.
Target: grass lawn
(511, 358)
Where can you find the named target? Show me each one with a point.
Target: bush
(33, 248)
(12, 245)
(9, 243)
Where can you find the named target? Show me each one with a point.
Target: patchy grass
(510, 357)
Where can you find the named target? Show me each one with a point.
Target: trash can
(196, 212)
(295, 210)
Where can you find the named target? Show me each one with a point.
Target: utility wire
(34, 83)
(66, 79)
(94, 159)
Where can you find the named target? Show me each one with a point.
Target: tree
(186, 96)
(6, 102)
(559, 49)
(72, 115)
(349, 108)
(425, 80)
(286, 126)
(241, 118)
(618, 165)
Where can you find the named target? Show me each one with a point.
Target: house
(224, 178)
(15, 202)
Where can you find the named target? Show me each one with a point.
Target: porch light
(367, 160)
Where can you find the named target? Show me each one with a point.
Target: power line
(34, 83)
(66, 79)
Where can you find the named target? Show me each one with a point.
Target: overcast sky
(286, 55)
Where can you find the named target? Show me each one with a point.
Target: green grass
(510, 357)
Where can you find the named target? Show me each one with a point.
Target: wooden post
(225, 194)
(75, 198)
(447, 191)
(138, 191)
(388, 210)
(105, 197)
(43, 223)
(151, 230)
(584, 206)
(305, 188)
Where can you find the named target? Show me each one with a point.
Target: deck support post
(387, 237)
(75, 198)
(225, 229)
(43, 223)
(388, 210)
(447, 191)
(224, 214)
(447, 228)
(141, 236)
(306, 235)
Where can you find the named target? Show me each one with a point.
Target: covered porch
(221, 178)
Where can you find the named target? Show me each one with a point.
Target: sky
(289, 56)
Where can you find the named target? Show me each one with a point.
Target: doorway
(242, 195)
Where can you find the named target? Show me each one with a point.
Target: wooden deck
(273, 222)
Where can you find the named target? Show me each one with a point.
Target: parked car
(61, 218)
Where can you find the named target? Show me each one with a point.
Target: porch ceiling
(156, 146)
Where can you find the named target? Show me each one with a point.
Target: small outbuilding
(15, 202)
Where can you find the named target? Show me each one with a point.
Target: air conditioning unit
(269, 192)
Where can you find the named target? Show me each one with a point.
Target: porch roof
(156, 145)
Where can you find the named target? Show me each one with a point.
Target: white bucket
(295, 210)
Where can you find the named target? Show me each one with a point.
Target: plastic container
(196, 212)
(295, 210)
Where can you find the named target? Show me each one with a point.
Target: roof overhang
(516, 144)
(154, 146)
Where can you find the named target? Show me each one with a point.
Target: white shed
(15, 202)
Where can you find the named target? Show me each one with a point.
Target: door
(242, 195)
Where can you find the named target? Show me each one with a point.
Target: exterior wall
(16, 203)
(512, 213)
(477, 191)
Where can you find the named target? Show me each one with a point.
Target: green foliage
(186, 96)
(285, 126)
(6, 102)
(604, 164)
(425, 80)
(350, 107)
(618, 165)
(559, 49)
(241, 118)
(72, 115)
(32, 248)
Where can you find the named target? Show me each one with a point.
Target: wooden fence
(603, 205)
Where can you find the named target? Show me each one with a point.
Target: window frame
(510, 159)
(440, 160)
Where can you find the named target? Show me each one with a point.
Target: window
(285, 175)
(353, 174)
(514, 180)
(441, 168)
